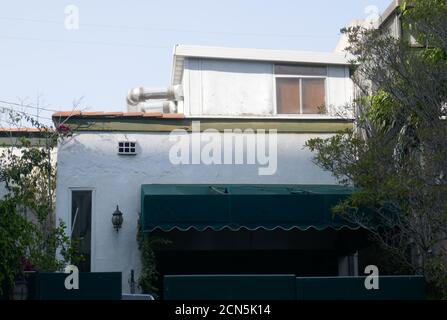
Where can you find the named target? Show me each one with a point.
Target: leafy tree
(397, 153)
(29, 234)
(15, 238)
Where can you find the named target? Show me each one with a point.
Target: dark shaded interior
(301, 253)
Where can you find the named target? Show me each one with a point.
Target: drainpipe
(144, 99)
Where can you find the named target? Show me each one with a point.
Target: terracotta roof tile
(152, 114)
(133, 114)
(66, 113)
(21, 130)
(99, 113)
(117, 114)
(173, 115)
(96, 114)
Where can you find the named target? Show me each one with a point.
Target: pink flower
(63, 128)
(26, 265)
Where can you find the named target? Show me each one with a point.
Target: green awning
(234, 207)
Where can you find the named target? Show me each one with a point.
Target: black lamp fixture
(117, 219)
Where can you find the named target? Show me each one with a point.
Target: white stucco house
(160, 161)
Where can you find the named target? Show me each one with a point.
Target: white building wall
(236, 88)
(339, 91)
(215, 87)
(90, 161)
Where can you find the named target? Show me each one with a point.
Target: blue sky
(123, 44)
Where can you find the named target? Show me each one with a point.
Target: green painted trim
(15, 141)
(167, 125)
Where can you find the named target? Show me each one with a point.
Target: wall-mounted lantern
(117, 219)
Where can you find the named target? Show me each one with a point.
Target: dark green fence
(353, 288)
(229, 287)
(92, 286)
(289, 287)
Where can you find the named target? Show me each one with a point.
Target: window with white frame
(127, 148)
(300, 89)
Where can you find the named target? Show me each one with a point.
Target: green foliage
(23, 242)
(28, 174)
(16, 235)
(149, 275)
(437, 269)
(42, 250)
(338, 154)
(397, 155)
(28, 230)
(381, 110)
(426, 21)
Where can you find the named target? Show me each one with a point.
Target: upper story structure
(247, 83)
(390, 22)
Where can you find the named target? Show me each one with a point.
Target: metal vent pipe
(140, 95)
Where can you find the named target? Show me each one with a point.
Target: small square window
(127, 148)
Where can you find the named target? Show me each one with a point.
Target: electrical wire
(28, 106)
(182, 30)
(95, 43)
(23, 112)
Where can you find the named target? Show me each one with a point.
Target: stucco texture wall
(90, 161)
